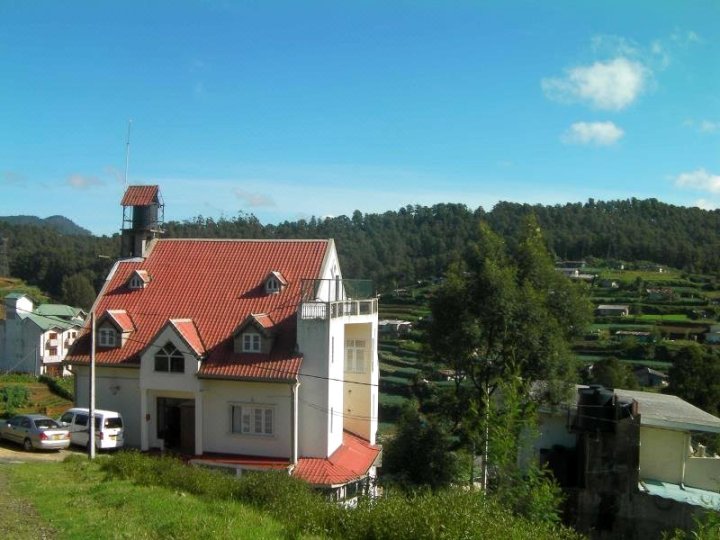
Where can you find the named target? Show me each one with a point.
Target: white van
(108, 427)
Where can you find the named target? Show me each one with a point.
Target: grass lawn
(76, 501)
(673, 317)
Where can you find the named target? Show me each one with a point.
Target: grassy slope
(76, 502)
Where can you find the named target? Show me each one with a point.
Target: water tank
(145, 217)
(596, 409)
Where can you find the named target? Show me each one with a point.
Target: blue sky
(286, 110)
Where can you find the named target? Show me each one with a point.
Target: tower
(143, 216)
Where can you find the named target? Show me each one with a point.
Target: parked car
(35, 431)
(109, 427)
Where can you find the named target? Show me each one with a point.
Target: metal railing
(332, 298)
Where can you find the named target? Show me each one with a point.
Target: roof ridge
(269, 240)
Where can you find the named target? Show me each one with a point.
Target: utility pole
(91, 406)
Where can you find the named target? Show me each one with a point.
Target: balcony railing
(332, 298)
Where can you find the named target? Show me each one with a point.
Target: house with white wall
(632, 463)
(247, 354)
(35, 339)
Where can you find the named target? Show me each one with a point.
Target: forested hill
(59, 224)
(418, 242)
(415, 242)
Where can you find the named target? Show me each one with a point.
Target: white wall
(313, 338)
(361, 389)
(218, 397)
(662, 454)
(116, 389)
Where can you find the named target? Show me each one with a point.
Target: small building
(630, 461)
(612, 310)
(650, 377)
(712, 336)
(36, 339)
(394, 327)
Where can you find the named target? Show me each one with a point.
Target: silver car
(35, 431)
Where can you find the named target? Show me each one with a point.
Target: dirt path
(18, 518)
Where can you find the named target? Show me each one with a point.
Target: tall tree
(77, 290)
(506, 315)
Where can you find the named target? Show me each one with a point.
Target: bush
(13, 397)
(59, 387)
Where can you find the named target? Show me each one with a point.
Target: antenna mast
(127, 154)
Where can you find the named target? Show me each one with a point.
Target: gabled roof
(143, 275)
(217, 284)
(277, 275)
(120, 318)
(350, 462)
(261, 321)
(49, 322)
(140, 196)
(188, 331)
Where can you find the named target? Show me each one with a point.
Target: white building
(36, 339)
(248, 354)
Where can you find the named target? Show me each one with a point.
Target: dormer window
(274, 283)
(251, 342)
(107, 337)
(138, 280)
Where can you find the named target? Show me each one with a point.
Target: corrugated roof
(350, 462)
(140, 196)
(217, 284)
(665, 411)
(47, 322)
(58, 310)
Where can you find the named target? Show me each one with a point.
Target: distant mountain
(60, 224)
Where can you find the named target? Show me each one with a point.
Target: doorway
(176, 424)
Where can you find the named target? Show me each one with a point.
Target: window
(107, 337)
(169, 359)
(355, 355)
(81, 420)
(251, 342)
(272, 285)
(136, 282)
(252, 419)
(52, 351)
(53, 335)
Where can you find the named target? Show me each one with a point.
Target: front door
(176, 424)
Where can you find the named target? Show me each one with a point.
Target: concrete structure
(246, 354)
(36, 339)
(610, 310)
(629, 461)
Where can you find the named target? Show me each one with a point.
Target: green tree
(504, 316)
(77, 290)
(695, 377)
(419, 453)
(611, 373)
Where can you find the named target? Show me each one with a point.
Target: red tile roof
(120, 318)
(349, 462)
(140, 196)
(217, 284)
(187, 329)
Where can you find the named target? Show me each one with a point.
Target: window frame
(251, 342)
(167, 360)
(252, 419)
(351, 360)
(107, 336)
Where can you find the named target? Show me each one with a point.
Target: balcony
(324, 299)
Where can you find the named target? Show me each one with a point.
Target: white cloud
(80, 181)
(700, 180)
(254, 200)
(596, 133)
(704, 204)
(611, 85)
(708, 126)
